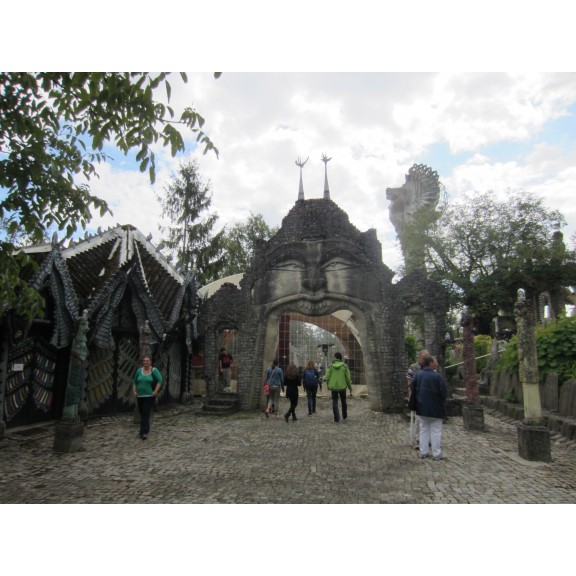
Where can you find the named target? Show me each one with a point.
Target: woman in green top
(145, 388)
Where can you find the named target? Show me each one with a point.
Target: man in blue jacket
(431, 391)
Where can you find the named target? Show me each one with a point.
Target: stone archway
(317, 264)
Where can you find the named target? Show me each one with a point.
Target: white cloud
(374, 126)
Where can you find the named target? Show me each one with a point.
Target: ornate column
(70, 430)
(472, 410)
(533, 436)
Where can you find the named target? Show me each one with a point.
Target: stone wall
(558, 401)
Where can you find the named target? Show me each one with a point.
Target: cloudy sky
(480, 131)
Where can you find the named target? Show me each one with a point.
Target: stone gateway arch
(317, 264)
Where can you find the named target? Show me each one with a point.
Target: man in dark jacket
(431, 391)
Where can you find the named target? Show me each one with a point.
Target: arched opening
(304, 338)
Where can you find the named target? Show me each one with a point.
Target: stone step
(222, 404)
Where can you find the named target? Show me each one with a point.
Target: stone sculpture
(421, 191)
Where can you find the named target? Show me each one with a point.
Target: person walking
(275, 379)
(338, 379)
(292, 382)
(414, 424)
(311, 381)
(145, 387)
(430, 391)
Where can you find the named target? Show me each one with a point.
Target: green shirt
(144, 383)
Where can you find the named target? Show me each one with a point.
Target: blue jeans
(145, 404)
(342, 394)
(311, 397)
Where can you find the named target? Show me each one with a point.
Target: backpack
(310, 378)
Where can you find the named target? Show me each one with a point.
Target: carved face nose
(314, 283)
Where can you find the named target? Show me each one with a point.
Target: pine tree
(191, 236)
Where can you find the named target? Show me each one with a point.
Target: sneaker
(438, 458)
(423, 456)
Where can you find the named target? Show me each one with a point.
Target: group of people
(337, 379)
(427, 392)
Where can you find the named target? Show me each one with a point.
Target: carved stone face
(317, 276)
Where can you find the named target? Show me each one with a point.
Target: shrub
(556, 349)
(481, 348)
(410, 347)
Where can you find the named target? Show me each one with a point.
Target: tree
(483, 250)
(53, 128)
(241, 240)
(191, 236)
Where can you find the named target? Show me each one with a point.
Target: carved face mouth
(313, 306)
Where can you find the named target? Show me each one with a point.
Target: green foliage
(240, 243)
(482, 344)
(483, 250)
(555, 347)
(410, 347)
(508, 360)
(53, 128)
(186, 202)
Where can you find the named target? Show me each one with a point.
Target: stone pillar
(472, 410)
(533, 437)
(69, 432)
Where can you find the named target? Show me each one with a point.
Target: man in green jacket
(338, 379)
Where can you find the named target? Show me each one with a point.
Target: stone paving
(245, 458)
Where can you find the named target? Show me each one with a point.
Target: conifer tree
(190, 236)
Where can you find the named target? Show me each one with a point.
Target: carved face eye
(289, 266)
(337, 264)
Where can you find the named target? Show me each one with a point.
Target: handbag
(266, 389)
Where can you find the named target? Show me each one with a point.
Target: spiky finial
(301, 188)
(325, 159)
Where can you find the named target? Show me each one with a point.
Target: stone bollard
(533, 437)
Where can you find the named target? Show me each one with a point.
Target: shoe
(286, 418)
(438, 458)
(143, 436)
(309, 413)
(417, 447)
(294, 418)
(267, 415)
(423, 456)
